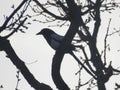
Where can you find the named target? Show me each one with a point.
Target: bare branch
(20, 16)
(16, 29)
(88, 71)
(105, 42)
(48, 12)
(117, 31)
(97, 19)
(6, 46)
(88, 64)
(65, 9)
(12, 14)
(18, 79)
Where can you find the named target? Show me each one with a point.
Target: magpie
(54, 40)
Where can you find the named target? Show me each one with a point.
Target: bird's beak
(39, 33)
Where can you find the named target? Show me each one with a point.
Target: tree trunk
(101, 85)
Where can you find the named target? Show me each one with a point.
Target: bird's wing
(55, 40)
(54, 44)
(57, 37)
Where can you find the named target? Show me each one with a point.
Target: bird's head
(45, 31)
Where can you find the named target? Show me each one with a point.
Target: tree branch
(65, 9)
(88, 64)
(12, 14)
(48, 12)
(97, 19)
(6, 46)
(105, 42)
(22, 22)
(87, 70)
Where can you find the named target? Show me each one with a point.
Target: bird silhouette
(54, 40)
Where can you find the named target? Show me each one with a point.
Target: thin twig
(88, 64)
(15, 30)
(117, 31)
(48, 12)
(105, 41)
(18, 79)
(12, 14)
(79, 62)
(20, 16)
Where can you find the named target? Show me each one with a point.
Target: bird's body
(53, 39)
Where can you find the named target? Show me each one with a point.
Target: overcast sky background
(37, 54)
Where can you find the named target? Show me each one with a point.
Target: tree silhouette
(78, 15)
